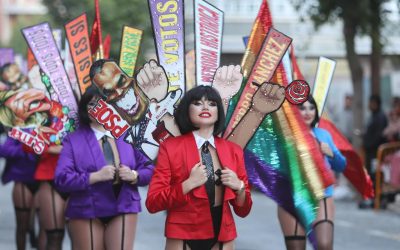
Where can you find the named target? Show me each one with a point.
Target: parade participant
(20, 168)
(51, 202)
(323, 225)
(100, 212)
(198, 175)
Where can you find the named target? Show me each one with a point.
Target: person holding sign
(101, 175)
(323, 226)
(199, 176)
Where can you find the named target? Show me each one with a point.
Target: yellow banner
(323, 80)
(130, 44)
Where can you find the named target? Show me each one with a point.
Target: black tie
(207, 161)
(107, 151)
(109, 157)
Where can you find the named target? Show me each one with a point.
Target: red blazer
(188, 216)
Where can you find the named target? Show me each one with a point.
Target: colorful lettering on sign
(129, 49)
(168, 26)
(40, 39)
(78, 38)
(208, 28)
(107, 116)
(271, 53)
(28, 139)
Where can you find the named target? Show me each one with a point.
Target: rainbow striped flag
(282, 158)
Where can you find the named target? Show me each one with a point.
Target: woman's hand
(127, 174)
(106, 173)
(326, 150)
(230, 179)
(198, 176)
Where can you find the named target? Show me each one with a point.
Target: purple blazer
(20, 165)
(80, 156)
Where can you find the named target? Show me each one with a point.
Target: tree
(359, 17)
(114, 15)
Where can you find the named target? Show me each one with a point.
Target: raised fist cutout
(152, 79)
(268, 98)
(227, 81)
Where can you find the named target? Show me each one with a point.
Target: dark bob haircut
(83, 103)
(182, 112)
(312, 101)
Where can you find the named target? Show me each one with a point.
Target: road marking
(344, 223)
(377, 233)
(384, 234)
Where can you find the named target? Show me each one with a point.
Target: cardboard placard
(78, 38)
(208, 38)
(168, 26)
(130, 45)
(323, 79)
(41, 41)
(274, 47)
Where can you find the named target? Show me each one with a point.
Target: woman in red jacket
(196, 194)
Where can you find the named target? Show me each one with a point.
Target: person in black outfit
(373, 138)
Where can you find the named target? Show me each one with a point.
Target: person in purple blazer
(20, 168)
(101, 210)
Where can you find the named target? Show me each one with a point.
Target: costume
(337, 162)
(46, 167)
(20, 165)
(80, 156)
(189, 215)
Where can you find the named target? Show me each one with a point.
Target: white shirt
(200, 140)
(100, 134)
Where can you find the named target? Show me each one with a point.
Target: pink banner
(271, 53)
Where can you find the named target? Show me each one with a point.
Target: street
(354, 228)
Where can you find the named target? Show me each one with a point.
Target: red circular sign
(297, 92)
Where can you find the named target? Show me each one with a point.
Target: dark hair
(83, 103)
(311, 100)
(377, 100)
(182, 112)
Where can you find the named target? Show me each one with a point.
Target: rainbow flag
(282, 159)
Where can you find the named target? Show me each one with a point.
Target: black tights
(23, 205)
(323, 229)
(51, 216)
(117, 232)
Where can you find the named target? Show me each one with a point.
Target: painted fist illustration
(227, 81)
(152, 79)
(268, 98)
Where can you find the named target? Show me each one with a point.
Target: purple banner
(41, 41)
(6, 56)
(168, 27)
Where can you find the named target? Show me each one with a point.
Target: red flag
(354, 171)
(297, 75)
(96, 38)
(107, 46)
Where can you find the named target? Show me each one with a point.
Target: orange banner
(78, 38)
